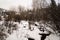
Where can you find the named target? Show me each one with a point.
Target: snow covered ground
(23, 32)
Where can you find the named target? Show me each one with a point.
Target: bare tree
(39, 4)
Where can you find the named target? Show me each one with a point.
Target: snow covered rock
(52, 37)
(34, 34)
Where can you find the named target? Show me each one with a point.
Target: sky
(6, 4)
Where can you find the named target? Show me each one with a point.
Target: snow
(52, 37)
(35, 33)
(1, 22)
(23, 32)
(20, 33)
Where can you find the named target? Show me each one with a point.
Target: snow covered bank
(23, 32)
